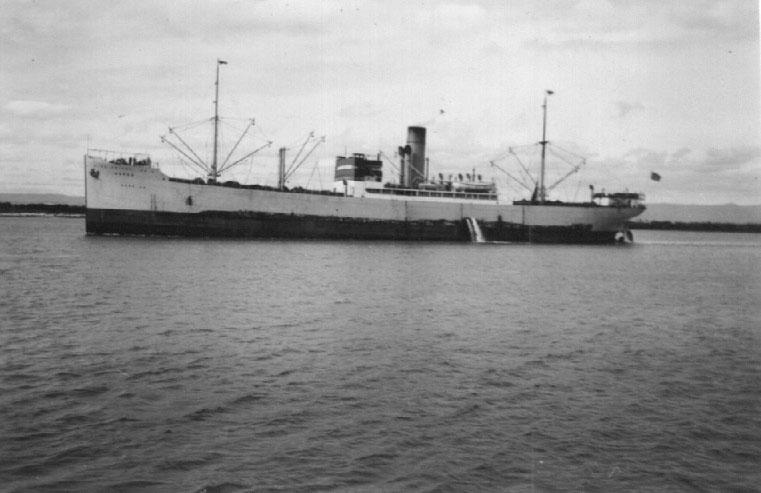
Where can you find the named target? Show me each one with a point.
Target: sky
(670, 87)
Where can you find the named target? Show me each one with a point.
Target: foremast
(215, 168)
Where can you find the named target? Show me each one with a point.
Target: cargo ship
(132, 196)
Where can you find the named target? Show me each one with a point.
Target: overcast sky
(640, 86)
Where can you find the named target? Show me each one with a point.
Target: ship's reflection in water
(177, 365)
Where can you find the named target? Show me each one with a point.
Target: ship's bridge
(353, 172)
(358, 167)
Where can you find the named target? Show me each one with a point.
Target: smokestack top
(418, 132)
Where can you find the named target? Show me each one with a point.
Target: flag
(221, 62)
(655, 176)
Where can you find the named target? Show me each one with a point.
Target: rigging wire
(250, 167)
(567, 151)
(563, 178)
(562, 159)
(298, 154)
(296, 165)
(229, 154)
(264, 135)
(203, 166)
(510, 150)
(185, 150)
(188, 126)
(389, 161)
(192, 171)
(314, 168)
(520, 182)
(512, 187)
(524, 175)
(523, 167)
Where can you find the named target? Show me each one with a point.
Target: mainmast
(542, 191)
(214, 174)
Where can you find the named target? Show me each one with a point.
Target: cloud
(455, 16)
(678, 155)
(728, 160)
(649, 72)
(714, 175)
(359, 110)
(724, 160)
(34, 108)
(596, 24)
(711, 18)
(647, 157)
(625, 108)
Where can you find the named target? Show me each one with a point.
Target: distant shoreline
(696, 226)
(8, 209)
(40, 214)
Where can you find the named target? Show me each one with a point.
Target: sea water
(208, 365)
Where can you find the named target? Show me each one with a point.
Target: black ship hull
(242, 224)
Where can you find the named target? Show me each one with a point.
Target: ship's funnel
(416, 143)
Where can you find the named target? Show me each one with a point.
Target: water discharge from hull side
(476, 235)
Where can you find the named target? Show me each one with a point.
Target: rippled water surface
(186, 365)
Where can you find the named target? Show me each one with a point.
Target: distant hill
(727, 213)
(41, 198)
